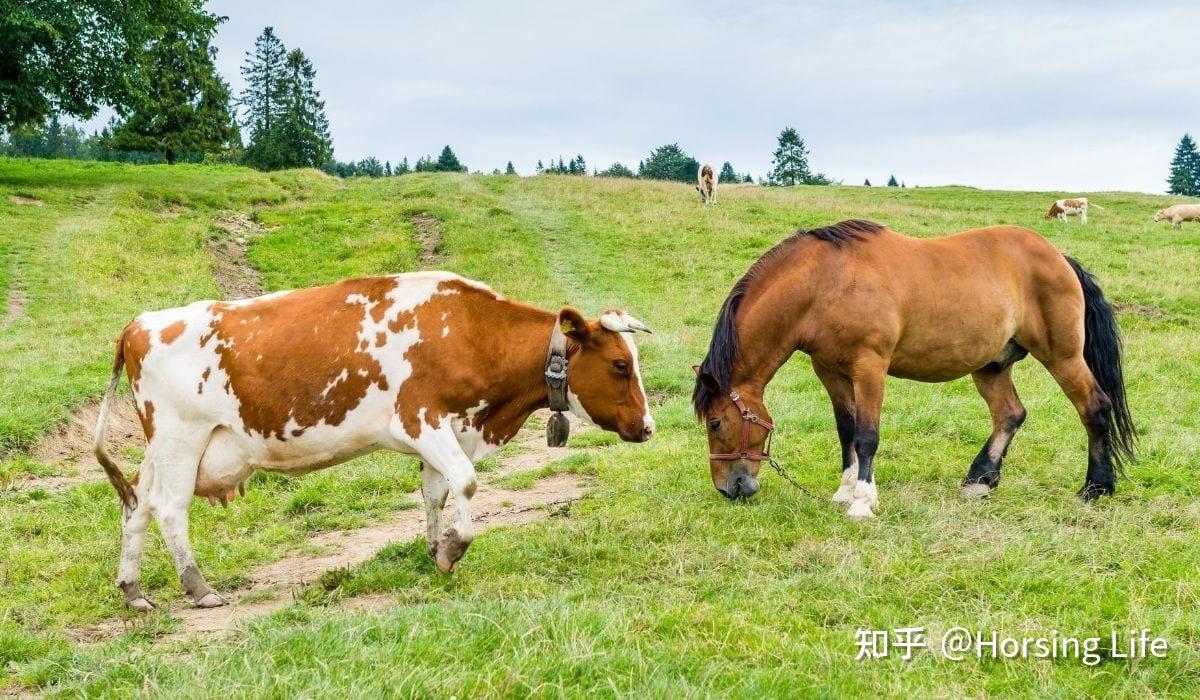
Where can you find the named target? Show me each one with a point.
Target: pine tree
(447, 162)
(540, 168)
(867, 182)
(727, 174)
(186, 105)
(749, 179)
(263, 99)
(509, 169)
(789, 163)
(580, 164)
(402, 168)
(892, 182)
(303, 128)
(1184, 178)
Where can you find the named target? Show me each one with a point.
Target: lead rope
(783, 472)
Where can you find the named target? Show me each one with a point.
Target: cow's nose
(648, 432)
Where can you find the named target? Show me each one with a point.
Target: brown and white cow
(707, 186)
(429, 364)
(1070, 207)
(1179, 213)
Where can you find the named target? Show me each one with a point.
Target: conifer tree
(727, 174)
(1184, 177)
(265, 72)
(789, 163)
(892, 182)
(509, 169)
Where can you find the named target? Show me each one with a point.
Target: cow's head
(1160, 215)
(604, 380)
(1055, 210)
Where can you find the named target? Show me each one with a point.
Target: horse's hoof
(1091, 492)
(211, 600)
(860, 510)
(976, 490)
(142, 605)
(844, 495)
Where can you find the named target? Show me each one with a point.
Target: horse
(864, 302)
(707, 186)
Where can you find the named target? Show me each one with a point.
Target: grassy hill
(654, 585)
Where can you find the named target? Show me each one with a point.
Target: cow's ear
(574, 325)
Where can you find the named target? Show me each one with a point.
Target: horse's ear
(710, 382)
(574, 325)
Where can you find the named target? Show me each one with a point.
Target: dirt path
(236, 277)
(429, 236)
(274, 585)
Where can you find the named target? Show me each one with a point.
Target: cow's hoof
(976, 490)
(142, 605)
(450, 549)
(211, 600)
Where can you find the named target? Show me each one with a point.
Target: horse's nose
(739, 486)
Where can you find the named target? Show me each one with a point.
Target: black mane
(723, 348)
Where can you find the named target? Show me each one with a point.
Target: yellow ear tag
(567, 326)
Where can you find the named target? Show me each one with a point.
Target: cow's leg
(176, 457)
(1083, 216)
(439, 449)
(433, 489)
(133, 539)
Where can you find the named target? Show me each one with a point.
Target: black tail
(1102, 352)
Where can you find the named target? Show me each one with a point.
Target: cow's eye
(714, 424)
(621, 366)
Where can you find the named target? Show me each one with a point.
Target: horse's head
(738, 427)
(604, 381)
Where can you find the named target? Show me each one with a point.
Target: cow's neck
(519, 386)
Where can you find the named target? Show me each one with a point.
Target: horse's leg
(1078, 383)
(996, 387)
(841, 393)
(868, 403)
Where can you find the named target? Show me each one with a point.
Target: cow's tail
(1093, 205)
(114, 473)
(1102, 353)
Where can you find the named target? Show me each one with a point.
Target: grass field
(654, 585)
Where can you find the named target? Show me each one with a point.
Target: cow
(1070, 207)
(1179, 213)
(708, 184)
(428, 364)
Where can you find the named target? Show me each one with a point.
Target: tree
(669, 162)
(263, 99)
(749, 180)
(1185, 169)
(370, 167)
(727, 174)
(186, 104)
(867, 182)
(540, 168)
(447, 162)
(402, 168)
(509, 169)
(303, 127)
(617, 170)
(892, 182)
(789, 163)
(71, 57)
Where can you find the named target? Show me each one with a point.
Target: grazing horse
(865, 302)
(427, 364)
(707, 186)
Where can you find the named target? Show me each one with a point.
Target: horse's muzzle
(739, 485)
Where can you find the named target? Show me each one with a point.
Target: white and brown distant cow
(1070, 207)
(707, 186)
(428, 364)
(1179, 213)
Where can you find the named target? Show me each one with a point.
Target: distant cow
(427, 364)
(1070, 207)
(1179, 213)
(708, 184)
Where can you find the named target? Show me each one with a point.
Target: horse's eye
(621, 366)
(714, 424)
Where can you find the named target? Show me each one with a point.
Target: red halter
(744, 452)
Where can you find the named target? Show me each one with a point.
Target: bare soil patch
(24, 199)
(1128, 307)
(14, 306)
(236, 277)
(277, 584)
(71, 444)
(429, 235)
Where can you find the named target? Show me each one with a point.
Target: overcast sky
(1019, 96)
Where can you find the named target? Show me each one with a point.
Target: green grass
(654, 585)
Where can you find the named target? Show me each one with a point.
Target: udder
(223, 468)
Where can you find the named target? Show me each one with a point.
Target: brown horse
(864, 301)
